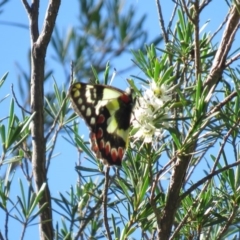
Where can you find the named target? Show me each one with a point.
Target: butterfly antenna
(71, 77)
(113, 76)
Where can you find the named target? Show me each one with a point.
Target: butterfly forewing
(107, 112)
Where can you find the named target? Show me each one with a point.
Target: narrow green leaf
(2, 80)
(167, 75)
(125, 190)
(231, 179)
(27, 122)
(106, 74)
(3, 137)
(182, 21)
(23, 194)
(156, 71)
(56, 91)
(180, 34)
(36, 199)
(95, 75)
(114, 227)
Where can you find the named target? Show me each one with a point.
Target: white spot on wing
(100, 104)
(88, 112)
(92, 121)
(88, 94)
(79, 101)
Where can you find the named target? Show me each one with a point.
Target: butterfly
(107, 112)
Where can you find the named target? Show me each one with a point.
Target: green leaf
(3, 137)
(106, 74)
(2, 80)
(35, 199)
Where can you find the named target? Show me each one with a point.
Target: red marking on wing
(99, 133)
(94, 145)
(107, 148)
(125, 98)
(114, 154)
(101, 144)
(101, 119)
(120, 152)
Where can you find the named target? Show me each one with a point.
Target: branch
(204, 4)
(195, 202)
(172, 18)
(221, 55)
(196, 40)
(105, 194)
(49, 23)
(56, 118)
(88, 219)
(231, 60)
(6, 225)
(27, 7)
(204, 188)
(221, 104)
(1, 236)
(39, 46)
(54, 140)
(161, 21)
(14, 97)
(219, 28)
(179, 171)
(208, 177)
(228, 222)
(173, 199)
(186, 11)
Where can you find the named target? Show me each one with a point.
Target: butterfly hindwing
(107, 112)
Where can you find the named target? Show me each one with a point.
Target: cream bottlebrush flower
(149, 113)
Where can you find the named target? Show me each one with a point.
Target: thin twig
(228, 222)
(27, 6)
(59, 112)
(208, 177)
(56, 119)
(224, 142)
(195, 202)
(204, 188)
(171, 19)
(186, 11)
(88, 219)
(72, 66)
(161, 21)
(23, 231)
(105, 199)
(152, 199)
(219, 28)
(221, 104)
(196, 39)
(229, 33)
(1, 236)
(204, 4)
(193, 166)
(231, 60)
(6, 225)
(53, 147)
(15, 99)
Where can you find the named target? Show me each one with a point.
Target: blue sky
(14, 44)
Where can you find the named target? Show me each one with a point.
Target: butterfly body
(107, 112)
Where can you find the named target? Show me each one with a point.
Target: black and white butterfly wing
(107, 112)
